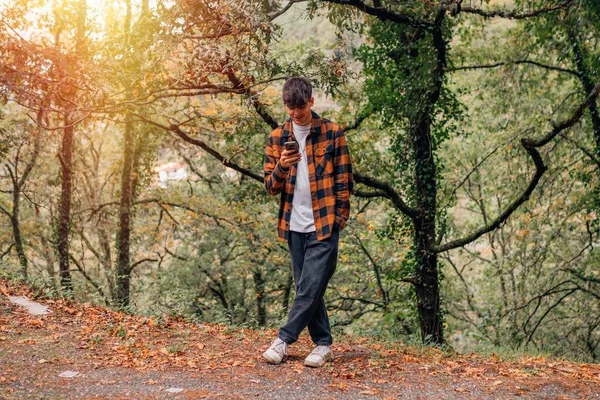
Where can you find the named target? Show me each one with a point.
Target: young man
(315, 182)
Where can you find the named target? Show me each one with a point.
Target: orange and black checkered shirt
(329, 170)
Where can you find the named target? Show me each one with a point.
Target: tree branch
(377, 270)
(501, 64)
(159, 202)
(253, 98)
(356, 124)
(546, 314)
(89, 279)
(384, 14)
(530, 146)
(135, 264)
(515, 14)
(369, 195)
(585, 151)
(36, 151)
(5, 211)
(389, 192)
(200, 143)
(271, 17)
(4, 253)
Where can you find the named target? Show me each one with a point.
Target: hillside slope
(119, 356)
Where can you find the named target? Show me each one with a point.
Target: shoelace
(321, 350)
(280, 345)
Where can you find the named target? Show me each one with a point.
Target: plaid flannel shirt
(329, 171)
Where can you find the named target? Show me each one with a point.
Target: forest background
(132, 142)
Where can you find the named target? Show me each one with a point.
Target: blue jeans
(313, 265)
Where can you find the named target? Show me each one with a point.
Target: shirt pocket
(324, 160)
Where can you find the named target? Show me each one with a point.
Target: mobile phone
(292, 145)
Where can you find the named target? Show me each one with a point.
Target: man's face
(301, 115)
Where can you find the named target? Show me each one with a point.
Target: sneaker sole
(312, 364)
(273, 361)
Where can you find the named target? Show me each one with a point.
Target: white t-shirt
(302, 218)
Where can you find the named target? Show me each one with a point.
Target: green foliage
(208, 240)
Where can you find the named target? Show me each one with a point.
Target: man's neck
(302, 126)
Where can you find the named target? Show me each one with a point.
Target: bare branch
(271, 17)
(530, 146)
(4, 253)
(358, 300)
(585, 151)
(135, 264)
(36, 151)
(89, 279)
(376, 269)
(200, 143)
(546, 314)
(169, 252)
(5, 211)
(96, 209)
(259, 107)
(582, 277)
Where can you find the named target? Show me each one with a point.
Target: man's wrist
(282, 168)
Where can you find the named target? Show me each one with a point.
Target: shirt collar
(315, 126)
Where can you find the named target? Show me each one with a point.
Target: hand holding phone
(290, 154)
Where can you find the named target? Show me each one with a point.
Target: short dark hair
(297, 91)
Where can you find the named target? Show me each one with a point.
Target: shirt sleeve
(275, 174)
(343, 179)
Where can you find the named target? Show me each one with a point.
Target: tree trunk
(586, 81)
(123, 269)
(64, 209)
(107, 263)
(259, 286)
(427, 282)
(49, 257)
(17, 234)
(18, 183)
(66, 160)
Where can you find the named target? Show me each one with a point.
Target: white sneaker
(277, 352)
(318, 356)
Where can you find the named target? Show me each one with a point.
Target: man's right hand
(289, 158)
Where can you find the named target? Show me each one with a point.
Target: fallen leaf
(70, 310)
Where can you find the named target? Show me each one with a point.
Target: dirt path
(118, 356)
